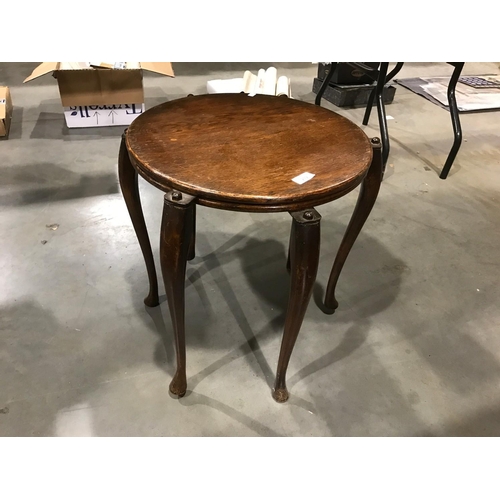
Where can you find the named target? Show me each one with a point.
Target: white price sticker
(302, 178)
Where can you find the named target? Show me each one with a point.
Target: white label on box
(300, 179)
(2, 101)
(102, 116)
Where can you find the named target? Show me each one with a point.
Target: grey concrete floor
(413, 350)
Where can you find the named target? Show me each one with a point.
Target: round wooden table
(250, 154)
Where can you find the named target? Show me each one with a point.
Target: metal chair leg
(325, 84)
(371, 98)
(369, 106)
(384, 133)
(455, 120)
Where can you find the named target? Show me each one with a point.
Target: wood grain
(366, 200)
(130, 189)
(231, 148)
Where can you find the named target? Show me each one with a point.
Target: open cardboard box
(5, 111)
(97, 95)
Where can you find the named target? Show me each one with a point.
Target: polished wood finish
(366, 199)
(245, 151)
(129, 184)
(192, 243)
(240, 153)
(175, 242)
(304, 258)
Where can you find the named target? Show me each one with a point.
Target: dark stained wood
(245, 151)
(366, 199)
(175, 239)
(130, 189)
(192, 243)
(296, 206)
(240, 153)
(304, 258)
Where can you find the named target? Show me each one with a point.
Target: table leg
(176, 234)
(366, 199)
(288, 255)
(129, 184)
(192, 243)
(304, 257)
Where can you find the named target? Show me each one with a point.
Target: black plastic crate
(345, 74)
(352, 96)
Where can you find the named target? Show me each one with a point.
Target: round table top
(255, 153)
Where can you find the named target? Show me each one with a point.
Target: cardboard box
(5, 111)
(99, 94)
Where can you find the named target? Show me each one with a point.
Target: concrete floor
(413, 350)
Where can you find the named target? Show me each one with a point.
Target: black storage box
(349, 96)
(345, 74)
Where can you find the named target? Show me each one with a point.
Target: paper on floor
(232, 86)
(264, 82)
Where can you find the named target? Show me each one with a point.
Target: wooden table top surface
(236, 149)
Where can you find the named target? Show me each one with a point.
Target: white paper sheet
(468, 98)
(232, 86)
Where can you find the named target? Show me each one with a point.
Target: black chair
(380, 77)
